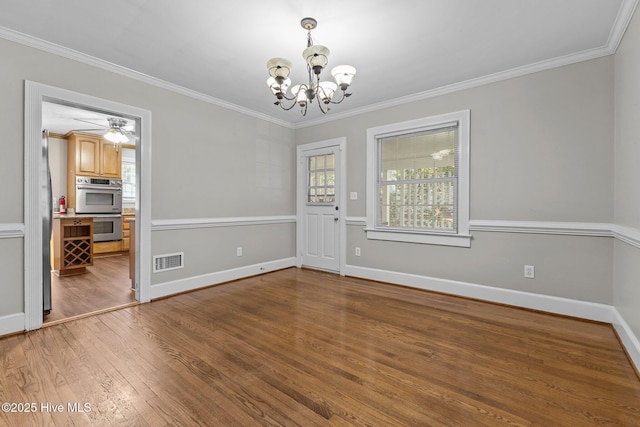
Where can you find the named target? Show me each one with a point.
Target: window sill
(458, 240)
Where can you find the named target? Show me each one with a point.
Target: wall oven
(107, 228)
(98, 195)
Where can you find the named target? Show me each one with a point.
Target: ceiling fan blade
(87, 130)
(93, 123)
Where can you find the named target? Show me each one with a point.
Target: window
(418, 181)
(128, 174)
(321, 179)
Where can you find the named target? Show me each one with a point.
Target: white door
(319, 204)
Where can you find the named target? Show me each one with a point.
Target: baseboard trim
(196, 282)
(12, 323)
(629, 341)
(551, 304)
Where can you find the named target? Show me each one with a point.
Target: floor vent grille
(168, 262)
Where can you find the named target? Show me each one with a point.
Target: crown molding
(623, 18)
(65, 52)
(467, 84)
(625, 13)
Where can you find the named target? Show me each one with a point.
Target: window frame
(128, 199)
(461, 238)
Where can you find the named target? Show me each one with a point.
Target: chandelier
(316, 57)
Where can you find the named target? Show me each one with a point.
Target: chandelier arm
(289, 107)
(324, 111)
(342, 98)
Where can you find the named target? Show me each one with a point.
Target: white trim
(196, 282)
(623, 233)
(625, 14)
(550, 304)
(356, 220)
(9, 231)
(11, 324)
(628, 235)
(458, 240)
(83, 58)
(184, 224)
(629, 341)
(35, 94)
(461, 238)
(543, 227)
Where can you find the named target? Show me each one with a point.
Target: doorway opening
(88, 278)
(39, 205)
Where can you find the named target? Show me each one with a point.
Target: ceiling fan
(116, 131)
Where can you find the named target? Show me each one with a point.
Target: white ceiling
(403, 49)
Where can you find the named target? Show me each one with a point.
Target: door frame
(341, 197)
(34, 95)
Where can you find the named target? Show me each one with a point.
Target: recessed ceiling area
(401, 50)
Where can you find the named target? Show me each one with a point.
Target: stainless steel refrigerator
(47, 219)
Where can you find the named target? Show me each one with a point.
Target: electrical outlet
(357, 251)
(353, 195)
(239, 251)
(529, 271)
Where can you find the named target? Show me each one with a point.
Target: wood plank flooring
(306, 348)
(106, 284)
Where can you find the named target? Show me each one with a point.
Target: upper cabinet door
(111, 159)
(88, 156)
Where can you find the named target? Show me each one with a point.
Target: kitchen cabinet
(91, 155)
(107, 247)
(72, 245)
(126, 229)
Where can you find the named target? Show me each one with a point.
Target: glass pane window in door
(321, 179)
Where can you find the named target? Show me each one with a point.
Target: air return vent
(168, 262)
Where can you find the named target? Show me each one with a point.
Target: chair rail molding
(10, 231)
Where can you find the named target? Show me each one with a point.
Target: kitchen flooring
(105, 285)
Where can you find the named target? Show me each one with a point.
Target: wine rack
(72, 243)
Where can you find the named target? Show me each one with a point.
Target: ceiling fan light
(123, 138)
(116, 136)
(344, 75)
(317, 57)
(279, 68)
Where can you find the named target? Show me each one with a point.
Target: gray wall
(207, 162)
(627, 173)
(541, 150)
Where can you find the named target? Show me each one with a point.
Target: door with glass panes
(321, 214)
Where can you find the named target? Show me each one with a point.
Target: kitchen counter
(57, 215)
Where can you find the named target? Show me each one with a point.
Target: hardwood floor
(306, 348)
(105, 285)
